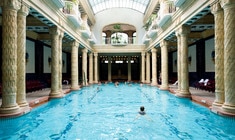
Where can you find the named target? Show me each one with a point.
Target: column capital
(216, 7)
(227, 3)
(85, 50)
(177, 33)
(24, 10)
(55, 30)
(164, 43)
(10, 4)
(74, 43)
(153, 50)
(91, 54)
(95, 54)
(143, 53)
(61, 33)
(183, 30)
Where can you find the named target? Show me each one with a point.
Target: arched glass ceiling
(100, 5)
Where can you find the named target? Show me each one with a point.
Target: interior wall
(192, 59)
(209, 62)
(30, 60)
(47, 59)
(118, 15)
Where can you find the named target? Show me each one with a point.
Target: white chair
(201, 81)
(206, 81)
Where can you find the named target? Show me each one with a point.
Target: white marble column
(179, 55)
(164, 62)
(55, 33)
(21, 59)
(60, 61)
(143, 67)
(184, 89)
(95, 67)
(109, 69)
(9, 57)
(129, 68)
(154, 67)
(218, 13)
(148, 67)
(91, 68)
(84, 66)
(74, 66)
(229, 57)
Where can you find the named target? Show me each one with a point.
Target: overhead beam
(207, 19)
(44, 37)
(32, 21)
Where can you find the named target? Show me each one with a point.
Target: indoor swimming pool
(107, 112)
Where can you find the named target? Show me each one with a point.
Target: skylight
(101, 5)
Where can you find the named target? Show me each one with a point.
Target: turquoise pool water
(109, 114)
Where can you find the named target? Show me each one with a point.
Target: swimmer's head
(142, 108)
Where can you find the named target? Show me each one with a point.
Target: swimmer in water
(143, 113)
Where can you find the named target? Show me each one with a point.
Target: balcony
(164, 19)
(118, 41)
(178, 3)
(85, 29)
(152, 33)
(146, 39)
(59, 3)
(72, 12)
(92, 39)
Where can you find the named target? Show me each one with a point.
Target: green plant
(149, 21)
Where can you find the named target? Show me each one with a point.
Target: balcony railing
(92, 39)
(85, 29)
(71, 9)
(164, 17)
(120, 42)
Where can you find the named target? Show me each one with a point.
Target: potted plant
(149, 22)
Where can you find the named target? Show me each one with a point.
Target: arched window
(119, 38)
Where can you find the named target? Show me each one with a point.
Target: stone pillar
(108, 37)
(179, 55)
(129, 68)
(84, 66)
(143, 67)
(219, 55)
(184, 89)
(109, 69)
(9, 57)
(229, 57)
(91, 68)
(154, 67)
(164, 61)
(55, 67)
(21, 52)
(60, 61)
(130, 37)
(96, 67)
(148, 68)
(74, 66)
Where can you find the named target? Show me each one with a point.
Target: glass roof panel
(101, 5)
